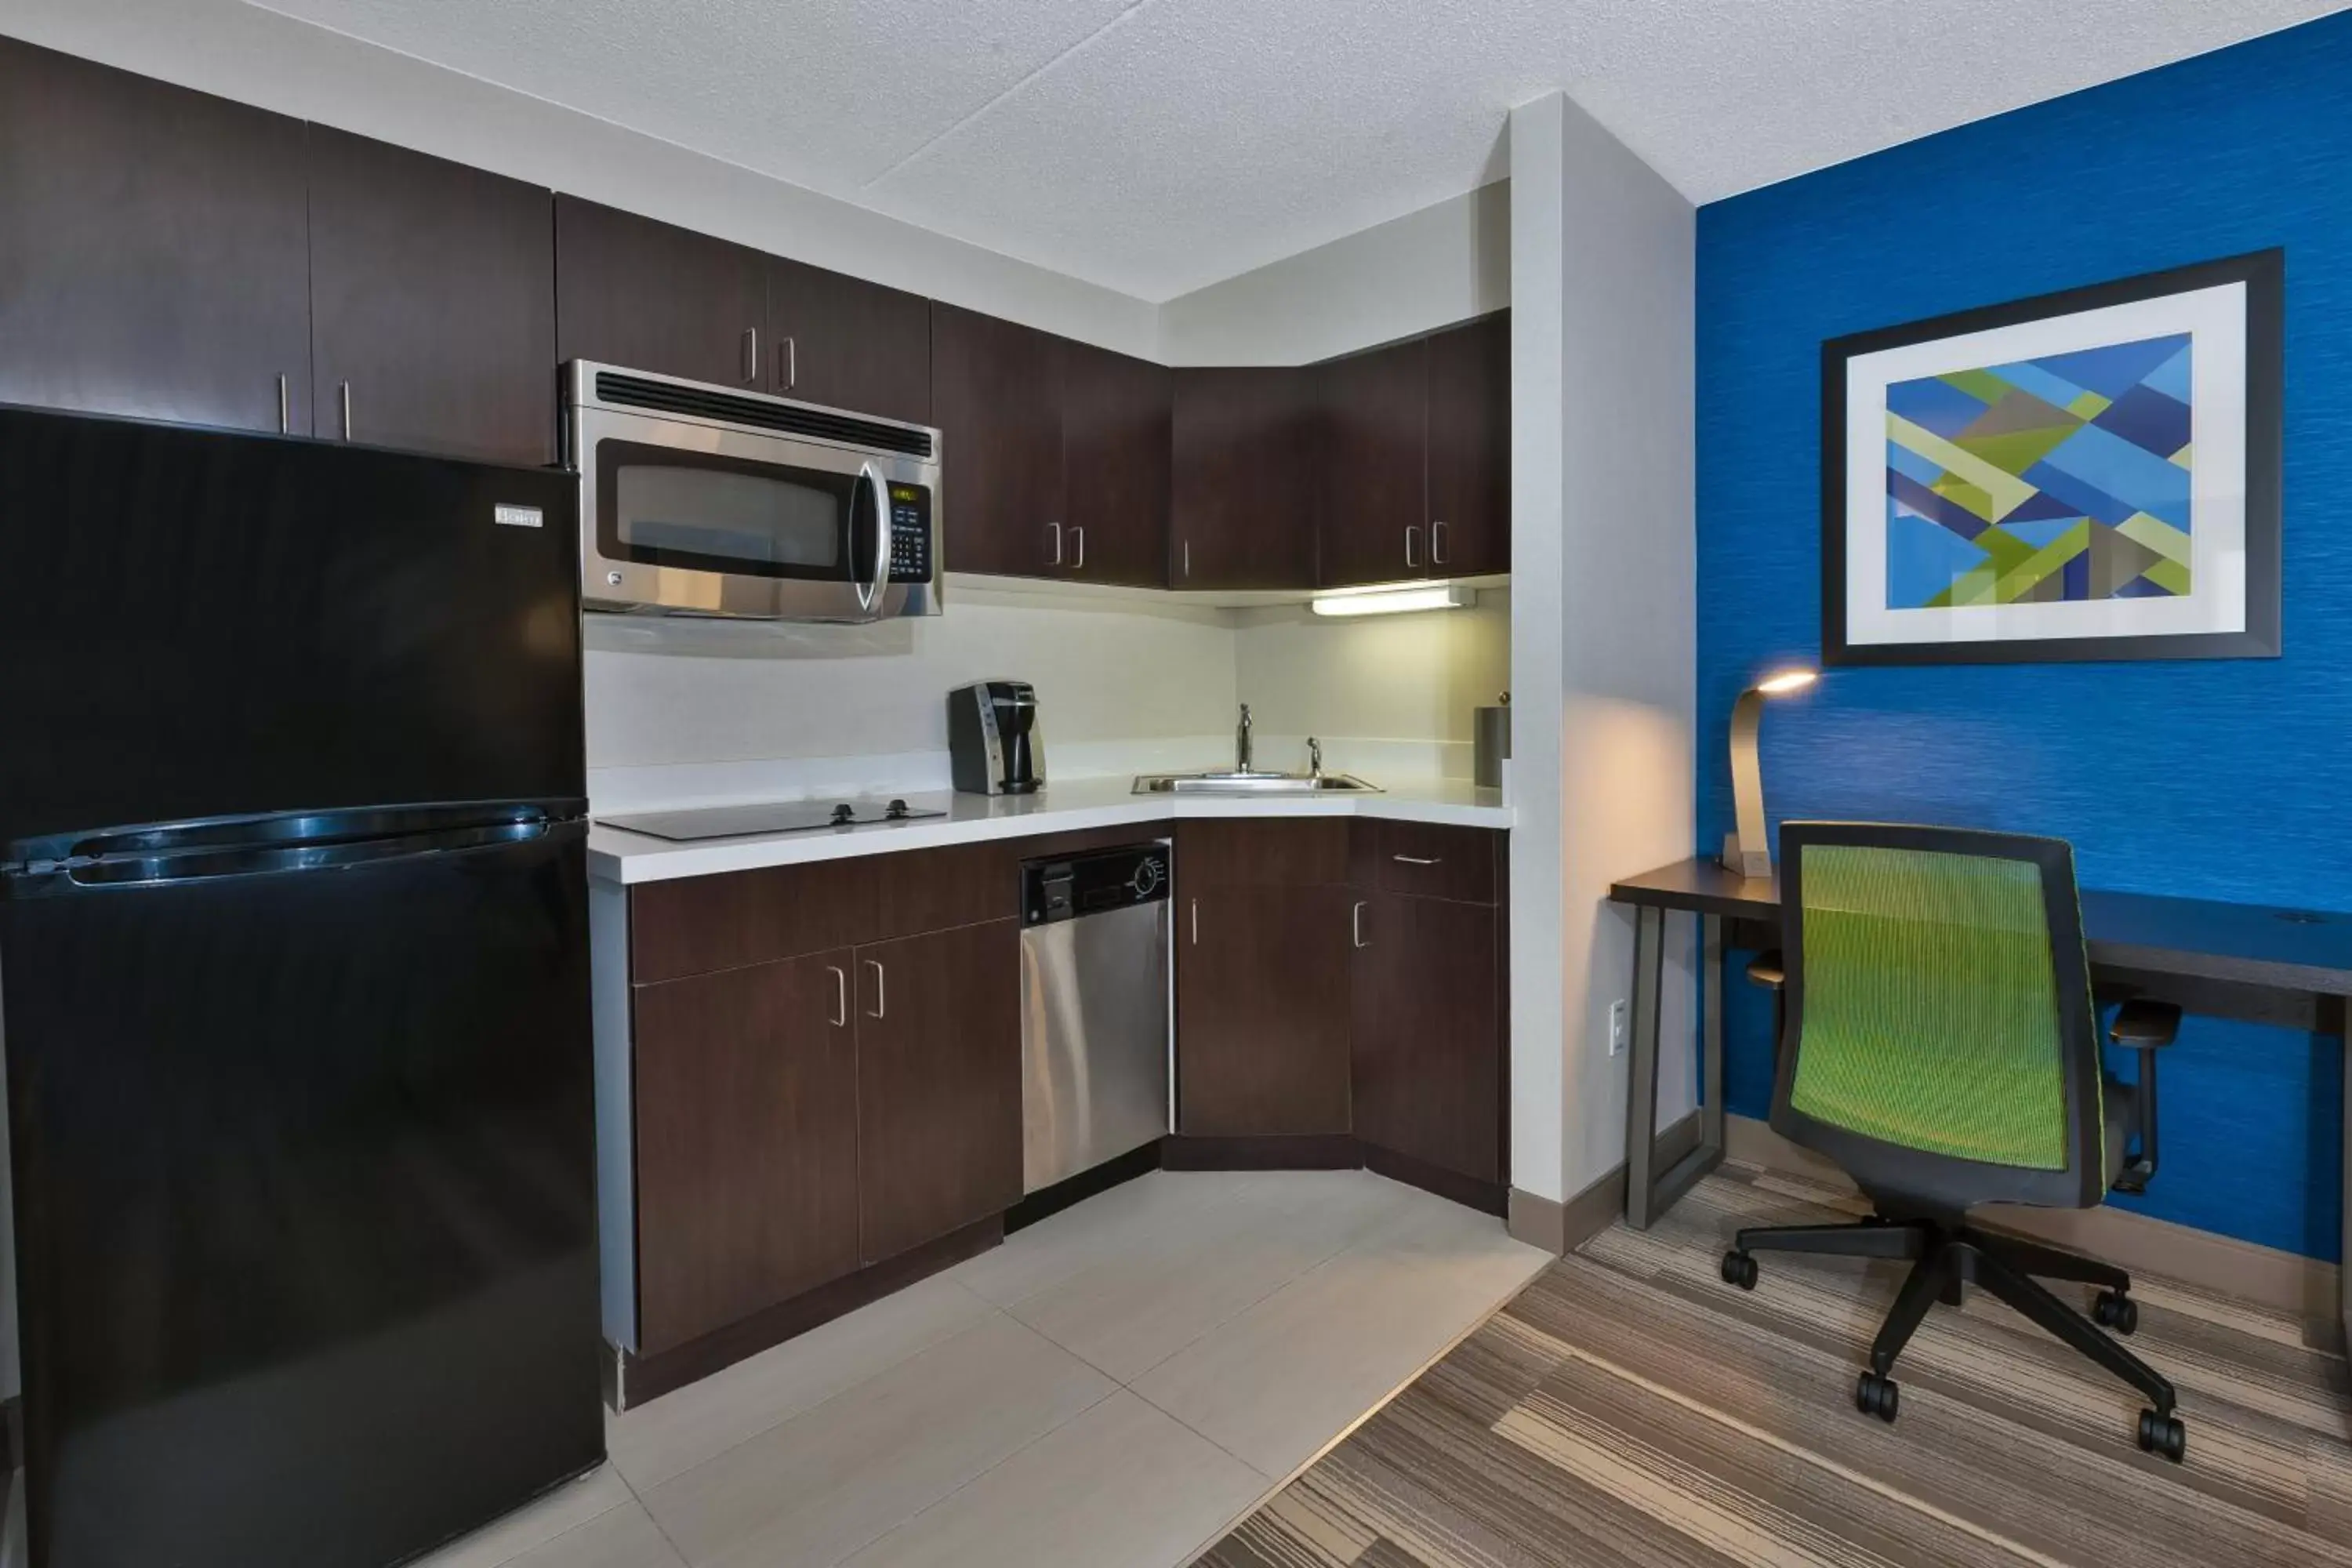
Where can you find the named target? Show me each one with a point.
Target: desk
(2289, 966)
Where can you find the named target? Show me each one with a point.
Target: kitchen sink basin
(1252, 784)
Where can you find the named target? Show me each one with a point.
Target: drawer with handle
(1426, 860)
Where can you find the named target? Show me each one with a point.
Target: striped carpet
(1629, 1407)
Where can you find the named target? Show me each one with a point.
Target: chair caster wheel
(2113, 1310)
(1877, 1395)
(2163, 1435)
(1740, 1268)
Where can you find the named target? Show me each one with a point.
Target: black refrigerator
(293, 993)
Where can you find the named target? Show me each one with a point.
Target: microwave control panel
(910, 533)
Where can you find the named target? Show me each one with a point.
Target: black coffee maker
(994, 741)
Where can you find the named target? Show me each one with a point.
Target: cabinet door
(996, 397)
(1375, 512)
(1428, 1032)
(1262, 1010)
(848, 344)
(1470, 449)
(1242, 512)
(432, 303)
(746, 1103)
(938, 1084)
(1115, 447)
(647, 296)
(154, 259)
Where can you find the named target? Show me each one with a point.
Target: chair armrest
(1765, 969)
(2144, 1025)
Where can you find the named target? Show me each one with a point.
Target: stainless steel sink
(1252, 783)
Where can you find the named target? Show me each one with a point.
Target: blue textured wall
(2229, 779)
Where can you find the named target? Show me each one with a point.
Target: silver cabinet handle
(1055, 559)
(1356, 924)
(881, 990)
(1188, 558)
(1415, 859)
(1412, 537)
(1196, 922)
(840, 994)
(1437, 544)
(752, 353)
(1078, 542)
(285, 409)
(788, 361)
(347, 410)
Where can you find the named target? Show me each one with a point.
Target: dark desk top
(2291, 950)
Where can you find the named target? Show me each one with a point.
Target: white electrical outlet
(1617, 1026)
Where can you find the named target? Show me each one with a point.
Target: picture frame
(2092, 474)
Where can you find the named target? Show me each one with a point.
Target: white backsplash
(684, 712)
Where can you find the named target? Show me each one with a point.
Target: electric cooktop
(773, 817)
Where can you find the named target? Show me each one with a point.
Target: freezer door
(304, 1175)
(201, 623)
(1094, 1040)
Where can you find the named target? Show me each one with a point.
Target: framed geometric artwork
(2089, 475)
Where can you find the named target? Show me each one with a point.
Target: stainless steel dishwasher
(1094, 1009)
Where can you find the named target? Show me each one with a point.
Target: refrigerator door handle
(215, 863)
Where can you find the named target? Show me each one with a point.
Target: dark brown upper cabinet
(1242, 504)
(996, 397)
(1375, 514)
(432, 303)
(1470, 449)
(1116, 415)
(1416, 461)
(650, 296)
(847, 344)
(154, 256)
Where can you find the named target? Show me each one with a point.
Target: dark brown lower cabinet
(939, 1083)
(1428, 1032)
(1261, 1011)
(746, 1098)
(1339, 989)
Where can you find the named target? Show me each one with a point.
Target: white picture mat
(2215, 320)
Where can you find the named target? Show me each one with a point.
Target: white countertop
(615, 855)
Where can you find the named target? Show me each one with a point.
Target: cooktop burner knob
(895, 812)
(844, 814)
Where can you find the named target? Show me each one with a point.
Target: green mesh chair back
(1940, 1039)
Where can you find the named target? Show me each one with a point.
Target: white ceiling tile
(1158, 146)
(824, 93)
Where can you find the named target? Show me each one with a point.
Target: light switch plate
(1617, 1026)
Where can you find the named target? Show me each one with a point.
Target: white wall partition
(1602, 623)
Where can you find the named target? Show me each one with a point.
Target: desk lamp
(1748, 850)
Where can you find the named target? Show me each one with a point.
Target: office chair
(1941, 1044)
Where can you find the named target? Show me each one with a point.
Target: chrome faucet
(1314, 758)
(1242, 742)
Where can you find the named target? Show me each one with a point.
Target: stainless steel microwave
(706, 501)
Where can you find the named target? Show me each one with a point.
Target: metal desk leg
(1710, 957)
(1642, 1093)
(1649, 1193)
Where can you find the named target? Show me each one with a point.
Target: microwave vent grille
(636, 392)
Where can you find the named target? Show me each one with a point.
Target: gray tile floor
(1112, 1387)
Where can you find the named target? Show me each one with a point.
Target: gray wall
(1602, 623)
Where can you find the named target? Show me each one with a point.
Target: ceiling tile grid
(1155, 146)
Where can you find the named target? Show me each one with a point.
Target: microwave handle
(869, 598)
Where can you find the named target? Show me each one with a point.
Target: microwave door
(761, 533)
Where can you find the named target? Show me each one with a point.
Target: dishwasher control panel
(1065, 889)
